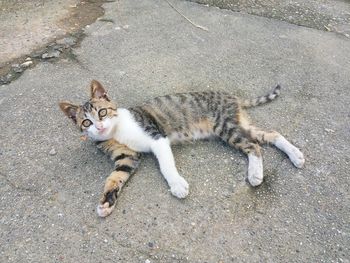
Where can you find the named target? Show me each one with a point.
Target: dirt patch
(40, 25)
(82, 14)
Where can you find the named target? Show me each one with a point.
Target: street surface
(51, 181)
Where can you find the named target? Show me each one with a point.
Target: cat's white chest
(129, 132)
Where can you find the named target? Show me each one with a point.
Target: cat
(155, 125)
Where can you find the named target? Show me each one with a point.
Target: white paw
(296, 157)
(255, 177)
(104, 210)
(255, 171)
(179, 187)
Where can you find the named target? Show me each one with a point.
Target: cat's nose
(99, 126)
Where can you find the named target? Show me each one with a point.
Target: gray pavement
(26, 24)
(327, 15)
(36, 30)
(48, 201)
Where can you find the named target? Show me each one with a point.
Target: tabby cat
(155, 125)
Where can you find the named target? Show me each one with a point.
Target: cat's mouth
(101, 131)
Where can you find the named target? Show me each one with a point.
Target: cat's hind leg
(273, 137)
(236, 137)
(255, 161)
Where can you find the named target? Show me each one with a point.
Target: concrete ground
(26, 25)
(327, 15)
(51, 180)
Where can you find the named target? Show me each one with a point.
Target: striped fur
(263, 99)
(126, 162)
(182, 117)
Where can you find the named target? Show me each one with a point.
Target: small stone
(67, 41)
(6, 79)
(57, 47)
(150, 244)
(17, 68)
(329, 130)
(51, 54)
(37, 54)
(147, 261)
(53, 152)
(27, 64)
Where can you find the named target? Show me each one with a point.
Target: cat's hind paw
(255, 170)
(255, 179)
(179, 187)
(297, 157)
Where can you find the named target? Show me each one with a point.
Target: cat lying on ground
(155, 125)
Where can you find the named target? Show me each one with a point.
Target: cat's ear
(70, 110)
(97, 90)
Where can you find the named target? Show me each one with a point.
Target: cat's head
(96, 117)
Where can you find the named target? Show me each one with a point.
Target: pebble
(51, 54)
(17, 68)
(27, 64)
(329, 130)
(58, 47)
(53, 152)
(6, 79)
(147, 261)
(37, 54)
(67, 41)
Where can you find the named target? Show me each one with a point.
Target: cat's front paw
(107, 203)
(179, 187)
(104, 210)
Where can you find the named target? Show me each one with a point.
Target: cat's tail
(262, 99)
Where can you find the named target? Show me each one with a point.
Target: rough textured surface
(329, 15)
(26, 25)
(51, 181)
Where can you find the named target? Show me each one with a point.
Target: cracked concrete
(31, 27)
(150, 50)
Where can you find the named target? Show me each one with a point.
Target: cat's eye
(86, 123)
(102, 112)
